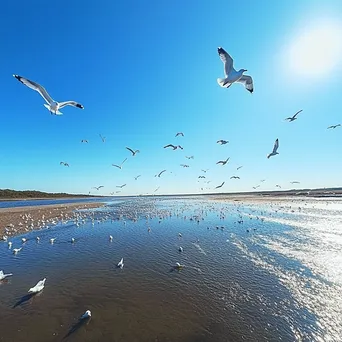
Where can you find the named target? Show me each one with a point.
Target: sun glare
(317, 50)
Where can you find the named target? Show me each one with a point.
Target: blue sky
(147, 70)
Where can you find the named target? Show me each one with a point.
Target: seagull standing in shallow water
(120, 264)
(52, 105)
(275, 148)
(3, 275)
(231, 74)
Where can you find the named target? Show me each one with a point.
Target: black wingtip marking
(250, 90)
(79, 106)
(18, 78)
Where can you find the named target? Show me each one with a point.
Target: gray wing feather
(247, 81)
(226, 59)
(70, 103)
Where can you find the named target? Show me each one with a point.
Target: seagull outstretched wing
(226, 59)
(247, 81)
(70, 103)
(276, 145)
(35, 86)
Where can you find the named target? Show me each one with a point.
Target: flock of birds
(231, 76)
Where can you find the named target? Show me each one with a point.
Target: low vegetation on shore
(14, 194)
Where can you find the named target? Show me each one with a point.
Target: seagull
(170, 145)
(121, 186)
(121, 264)
(137, 177)
(110, 238)
(223, 162)
(294, 182)
(87, 314)
(234, 177)
(3, 275)
(256, 187)
(292, 118)
(157, 189)
(102, 138)
(63, 163)
(98, 187)
(334, 126)
(275, 148)
(278, 186)
(38, 238)
(160, 173)
(179, 133)
(39, 286)
(222, 142)
(72, 240)
(84, 141)
(133, 152)
(52, 105)
(205, 170)
(262, 180)
(52, 240)
(178, 266)
(231, 74)
(201, 176)
(10, 245)
(119, 166)
(184, 165)
(180, 249)
(17, 250)
(238, 168)
(220, 186)
(23, 240)
(180, 234)
(189, 157)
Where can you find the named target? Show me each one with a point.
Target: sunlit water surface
(253, 272)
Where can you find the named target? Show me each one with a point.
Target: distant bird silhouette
(63, 163)
(220, 186)
(84, 141)
(201, 176)
(137, 177)
(157, 189)
(205, 170)
(238, 168)
(292, 118)
(189, 157)
(262, 180)
(234, 177)
(222, 142)
(180, 133)
(256, 187)
(160, 173)
(294, 182)
(102, 138)
(98, 187)
(132, 151)
(120, 264)
(174, 147)
(184, 165)
(223, 162)
(121, 186)
(334, 126)
(275, 148)
(119, 166)
(278, 186)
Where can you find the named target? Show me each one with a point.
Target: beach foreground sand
(20, 220)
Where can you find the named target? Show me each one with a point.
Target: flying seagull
(63, 163)
(174, 147)
(184, 165)
(256, 187)
(157, 189)
(220, 186)
(84, 141)
(119, 166)
(278, 186)
(132, 151)
(275, 148)
(262, 180)
(121, 186)
(98, 187)
(102, 138)
(294, 182)
(3, 275)
(201, 176)
(231, 74)
(204, 170)
(52, 105)
(189, 157)
(223, 162)
(159, 174)
(137, 177)
(334, 126)
(39, 286)
(238, 168)
(222, 142)
(292, 118)
(179, 133)
(234, 177)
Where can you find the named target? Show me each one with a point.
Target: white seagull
(3, 275)
(231, 74)
(17, 250)
(275, 148)
(52, 105)
(178, 266)
(52, 240)
(39, 286)
(120, 264)
(119, 166)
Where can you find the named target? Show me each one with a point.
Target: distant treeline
(10, 194)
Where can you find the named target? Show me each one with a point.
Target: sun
(317, 50)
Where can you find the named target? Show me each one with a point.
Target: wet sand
(20, 220)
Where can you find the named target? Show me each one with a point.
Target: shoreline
(20, 220)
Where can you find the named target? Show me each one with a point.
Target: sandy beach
(20, 220)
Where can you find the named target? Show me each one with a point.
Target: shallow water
(275, 276)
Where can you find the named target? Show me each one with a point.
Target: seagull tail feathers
(221, 82)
